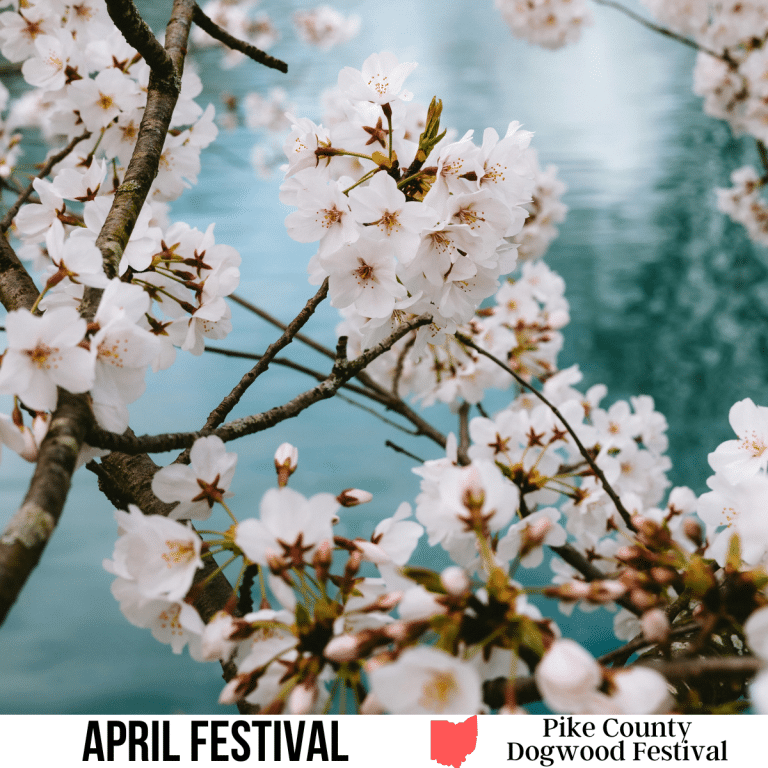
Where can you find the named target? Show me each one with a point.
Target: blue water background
(667, 298)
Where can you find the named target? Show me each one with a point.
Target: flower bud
(322, 560)
(229, 694)
(642, 599)
(286, 461)
(351, 497)
(534, 535)
(399, 631)
(693, 531)
(606, 591)
(571, 591)
(655, 626)
(455, 580)
(342, 649)
(662, 575)
(303, 697)
(353, 564)
(386, 602)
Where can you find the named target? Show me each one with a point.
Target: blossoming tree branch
(430, 245)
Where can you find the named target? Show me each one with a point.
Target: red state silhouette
(453, 742)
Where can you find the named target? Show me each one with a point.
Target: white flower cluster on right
(549, 23)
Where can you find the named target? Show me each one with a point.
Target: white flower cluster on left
(88, 83)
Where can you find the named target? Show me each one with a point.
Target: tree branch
(17, 288)
(294, 366)
(251, 51)
(141, 172)
(684, 670)
(384, 396)
(219, 413)
(667, 32)
(29, 530)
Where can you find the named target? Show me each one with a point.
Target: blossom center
(177, 552)
(105, 101)
(755, 445)
(437, 691)
(379, 83)
(389, 221)
(331, 216)
(364, 272)
(40, 354)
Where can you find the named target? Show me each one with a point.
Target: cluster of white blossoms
(549, 23)
(735, 85)
(544, 211)
(719, 25)
(522, 328)
(406, 222)
(744, 203)
(740, 486)
(89, 83)
(731, 72)
(324, 27)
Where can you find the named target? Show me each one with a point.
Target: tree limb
(17, 288)
(219, 413)
(251, 51)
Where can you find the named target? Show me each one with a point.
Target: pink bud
(351, 497)
(341, 649)
(455, 580)
(655, 625)
(286, 461)
(302, 698)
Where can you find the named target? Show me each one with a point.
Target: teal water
(667, 299)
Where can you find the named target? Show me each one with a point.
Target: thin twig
(376, 414)
(464, 427)
(282, 326)
(251, 51)
(400, 363)
(221, 411)
(584, 452)
(667, 32)
(294, 366)
(763, 152)
(399, 449)
(393, 403)
(44, 171)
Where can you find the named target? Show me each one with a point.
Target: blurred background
(668, 298)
